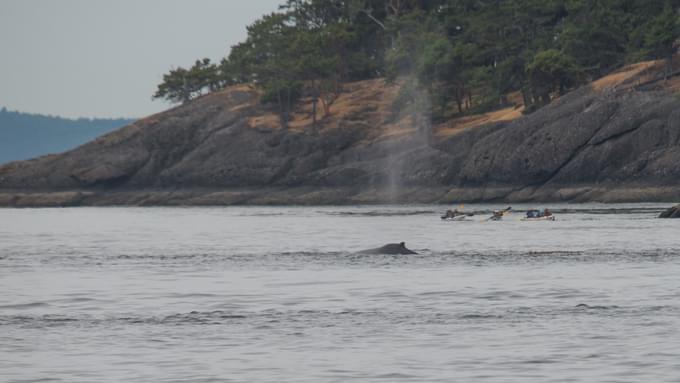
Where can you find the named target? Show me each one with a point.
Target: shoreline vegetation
(452, 58)
(398, 101)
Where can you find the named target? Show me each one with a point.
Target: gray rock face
(584, 138)
(673, 212)
(585, 146)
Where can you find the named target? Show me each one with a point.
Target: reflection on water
(280, 294)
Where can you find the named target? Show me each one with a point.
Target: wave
(347, 317)
(380, 213)
(24, 306)
(301, 259)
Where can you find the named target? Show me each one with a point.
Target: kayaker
(450, 214)
(498, 214)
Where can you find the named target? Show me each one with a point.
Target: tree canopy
(466, 56)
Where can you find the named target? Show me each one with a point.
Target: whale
(390, 249)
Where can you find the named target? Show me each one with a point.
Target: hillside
(24, 136)
(617, 139)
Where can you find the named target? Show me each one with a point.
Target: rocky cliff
(614, 140)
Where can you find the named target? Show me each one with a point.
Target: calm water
(255, 294)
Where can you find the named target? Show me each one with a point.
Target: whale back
(390, 249)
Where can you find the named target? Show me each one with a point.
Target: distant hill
(24, 136)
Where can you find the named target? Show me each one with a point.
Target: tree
(552, 70)
(462, 55)
(175, 86)
(321, 63)
(436, 67)
(661, 36)
(284, 93)
(595, 35)
(182, 85)
(204, 75)
(267, 59)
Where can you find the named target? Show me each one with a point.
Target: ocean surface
(279, 294)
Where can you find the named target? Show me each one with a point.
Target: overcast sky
(104, 58)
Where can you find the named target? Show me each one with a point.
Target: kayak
(548, 218)
(457, 218)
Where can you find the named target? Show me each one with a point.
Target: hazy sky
(104, 58)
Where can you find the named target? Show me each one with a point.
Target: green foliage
(455, 56)
(595, 36)
(552, 70)
(182, 85)
(662, 33)
(175, 86)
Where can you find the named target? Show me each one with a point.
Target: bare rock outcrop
(227, 148)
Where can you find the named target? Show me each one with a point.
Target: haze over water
(272, 294)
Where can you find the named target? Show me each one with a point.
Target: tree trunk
(314, 102)
(282, 111)
(545, 98)
(526, 97)
(326, 106)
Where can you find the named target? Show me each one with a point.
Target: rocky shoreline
(613, 143)
(306, 196)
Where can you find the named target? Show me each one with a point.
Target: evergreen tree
(595, 36)
(549, 71)
(662, 33)
(462, 55)
(175, 86)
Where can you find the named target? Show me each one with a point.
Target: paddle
(498, 214)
